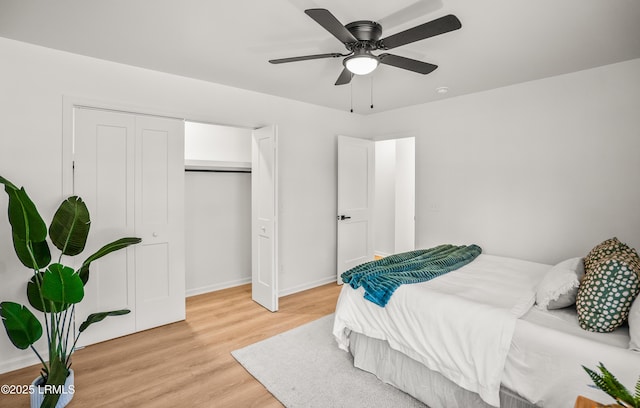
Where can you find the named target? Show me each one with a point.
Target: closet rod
(218, 171)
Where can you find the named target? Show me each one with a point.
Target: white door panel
(356, 169)
(264, 231)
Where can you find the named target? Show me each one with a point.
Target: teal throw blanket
(382, 277)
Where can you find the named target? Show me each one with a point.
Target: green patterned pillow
(607, 291)
(601, 251)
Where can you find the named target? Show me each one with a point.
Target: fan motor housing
(365, 30)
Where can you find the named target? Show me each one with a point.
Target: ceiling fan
(362, 37)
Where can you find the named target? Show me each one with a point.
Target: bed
(473, 338)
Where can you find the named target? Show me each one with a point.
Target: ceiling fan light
(361, 64)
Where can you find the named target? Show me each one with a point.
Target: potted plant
(608, 383)
(53, 288)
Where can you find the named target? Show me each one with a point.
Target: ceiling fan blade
(305, 57)
(345, 77)
(331, 24)
(432, 28)
(406, 63)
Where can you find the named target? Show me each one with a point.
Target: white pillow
(634, 325)
(559, 286)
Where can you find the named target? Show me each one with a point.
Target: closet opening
(217, 207)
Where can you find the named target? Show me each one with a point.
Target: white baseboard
(218, 286)
(381, 254)
(310, 285)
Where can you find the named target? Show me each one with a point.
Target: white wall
(208, 142)
(35, 79)
(542, 170)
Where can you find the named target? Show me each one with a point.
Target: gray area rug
(304, 367)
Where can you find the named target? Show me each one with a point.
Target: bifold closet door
(159, 221)
(129, 170)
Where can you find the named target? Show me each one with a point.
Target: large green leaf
(22, 326)
(23, 215)
(29, 229)
(35, 297)
(62, 284)
(105, 250)
(70, 226)
(39, 251)
(98, 317)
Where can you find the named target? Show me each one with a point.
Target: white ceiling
(501, 42)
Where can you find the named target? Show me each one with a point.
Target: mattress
(537, 354)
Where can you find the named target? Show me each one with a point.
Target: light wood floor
(185, 364)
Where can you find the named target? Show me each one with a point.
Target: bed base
(430, 387)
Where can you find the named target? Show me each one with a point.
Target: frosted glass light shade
(361, 64)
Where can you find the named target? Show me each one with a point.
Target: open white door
(356, 169)
(264, 223)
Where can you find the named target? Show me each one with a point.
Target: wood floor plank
(185, 364)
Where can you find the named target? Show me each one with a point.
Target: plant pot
(39, 389)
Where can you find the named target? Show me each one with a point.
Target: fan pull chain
(351, 89)
(372, 91)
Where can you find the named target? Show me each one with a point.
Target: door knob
(343, 217)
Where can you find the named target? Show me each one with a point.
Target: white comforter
(459, 324)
